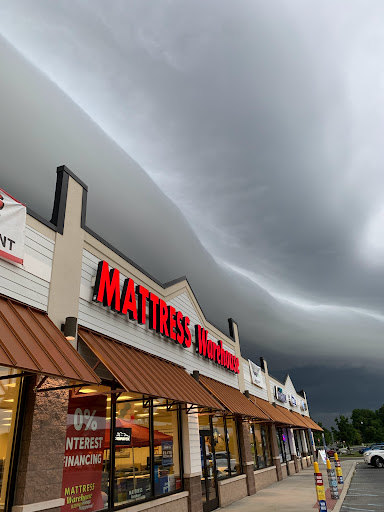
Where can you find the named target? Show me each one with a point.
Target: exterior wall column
(292, 446)
(305, 447)
(42, 448)
(234, 332)
(64, 290)
(191, 460)
(275, 452)
(246, 456)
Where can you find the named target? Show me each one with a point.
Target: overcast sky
(255, 128)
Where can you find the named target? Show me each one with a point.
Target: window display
(139, 452)
(260, 445)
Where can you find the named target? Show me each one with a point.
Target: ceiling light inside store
(11, 385)
(5, 425)
(87, 390)
(9, 400)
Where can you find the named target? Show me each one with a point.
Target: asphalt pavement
(366, 492)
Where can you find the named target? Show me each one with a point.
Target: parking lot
(366, 492)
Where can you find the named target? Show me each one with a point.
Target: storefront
(147, 403)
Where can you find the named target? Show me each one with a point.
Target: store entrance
(208, 470)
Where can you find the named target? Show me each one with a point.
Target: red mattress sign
(13, 216)
(83, 460)
(132, 301)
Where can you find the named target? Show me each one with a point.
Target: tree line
(363, 427)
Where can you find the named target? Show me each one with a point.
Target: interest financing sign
(13, 216)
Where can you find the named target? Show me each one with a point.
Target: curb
(347, 483)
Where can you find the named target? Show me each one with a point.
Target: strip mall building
(116, 392)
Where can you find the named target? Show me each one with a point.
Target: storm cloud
(254, 127)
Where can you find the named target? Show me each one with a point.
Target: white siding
(254, 390)
(101, 319)
(30, 283)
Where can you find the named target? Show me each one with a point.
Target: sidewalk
(293, 494)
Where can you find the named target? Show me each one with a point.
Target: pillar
(42, 447)
(246, 456)
(275, 452)
(191, 460)
(292, 446)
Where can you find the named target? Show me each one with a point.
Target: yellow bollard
(339, 473)
(320, 493)
(332, 480)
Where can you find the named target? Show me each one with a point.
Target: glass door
(208, 469)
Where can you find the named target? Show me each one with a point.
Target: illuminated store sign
(132, 300)
(280, 395)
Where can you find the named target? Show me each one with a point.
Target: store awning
(273, 412)
(291, 417)
(233, 399)
(30, 341)
(308, 422)
(140, 372)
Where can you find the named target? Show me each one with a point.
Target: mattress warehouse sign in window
(132, 301)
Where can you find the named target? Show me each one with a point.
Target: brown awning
(295, 419)
(233, 399)
(309, 422)
(30, 341)
(315, 425)
(292, 418)
(140, 372)
(273, 412)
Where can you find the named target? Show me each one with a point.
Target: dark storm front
(132, 301)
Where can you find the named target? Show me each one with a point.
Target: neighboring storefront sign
(13, 215)
(256, 374)
(163, 319)
(280, 395)
(83, 459)
(292, 400)
(303, 405)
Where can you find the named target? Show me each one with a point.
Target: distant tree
(345, 432)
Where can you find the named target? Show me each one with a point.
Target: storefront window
(132, 452)
(166, 451)
(287, 448)
(9, 398)
(280, 444)
(266, 440)
(253, 446)
(233, 447)
(220, 447)
(87, 450)
(142, 458)
(297, 439)
(260, 446)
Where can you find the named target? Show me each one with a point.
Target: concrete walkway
(293, 494)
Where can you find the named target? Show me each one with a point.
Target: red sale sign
(83, 460)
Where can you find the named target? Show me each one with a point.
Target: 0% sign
(84, 418)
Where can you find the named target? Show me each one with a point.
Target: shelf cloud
(236, 143)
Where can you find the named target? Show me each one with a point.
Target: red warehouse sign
(132, 300)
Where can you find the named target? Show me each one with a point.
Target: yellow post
(339, 473)
(320, 493)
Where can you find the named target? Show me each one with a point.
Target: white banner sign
(13, 215)
(256, 374)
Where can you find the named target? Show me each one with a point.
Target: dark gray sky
(255, 127)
